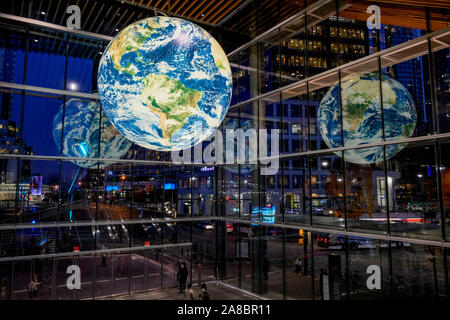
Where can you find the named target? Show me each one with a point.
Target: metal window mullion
(22, 110)
(74, 262)
(436, 129)
(191, 238)
(94, 275)
(445, 265)
(129, 273)
(430, 137)
(282, 208)
(344, 191)
(386, 185)
(337, 35)
(239, 165)
(113, 267)
(54, 278)
(344, 186)
(308, 157)
(98, 172)
(284, 262)
(239, 260)
(130, 231)
(278, 65)
(216, 214)
(258, 233)
(66, 62)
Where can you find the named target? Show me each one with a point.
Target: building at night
(315, 84)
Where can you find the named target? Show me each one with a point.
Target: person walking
(3, 290)
(298, 264)
(189, 293)
(204, 295)
(182, 275)
(103, 256)
(32, 287)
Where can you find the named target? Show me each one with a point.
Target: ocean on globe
(362, 120)
(81, 133)
(165, 83)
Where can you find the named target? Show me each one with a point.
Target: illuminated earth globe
(362, 116)
(165, 83)
(82, 119)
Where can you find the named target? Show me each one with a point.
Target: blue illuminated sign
(265, 214)
(169, 186)
(112, 188)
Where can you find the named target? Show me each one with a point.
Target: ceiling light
(73, 86)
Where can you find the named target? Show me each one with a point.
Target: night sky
(47, 71)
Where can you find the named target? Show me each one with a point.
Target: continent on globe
(165, 83)
(126, 44)
(219, 56)
(361, 120)
(171, 101)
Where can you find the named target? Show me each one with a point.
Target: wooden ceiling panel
(225, 12)
(396, 13)
(246, 17)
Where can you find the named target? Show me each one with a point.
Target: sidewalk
(216, 292)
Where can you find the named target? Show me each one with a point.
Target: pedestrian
(189, 293)
(298, 264)
(4, 289)
(182, 275)
(204, 295)
(103, 256)
(32, 287)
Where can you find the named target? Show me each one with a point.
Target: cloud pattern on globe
(165, 83)
(362, 117)
(81, 134)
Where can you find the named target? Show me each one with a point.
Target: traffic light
(301, 235)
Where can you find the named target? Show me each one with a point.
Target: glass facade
(305, 220)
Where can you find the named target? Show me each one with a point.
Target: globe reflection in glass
(362, 117)
(165, 83)
(81, 134)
